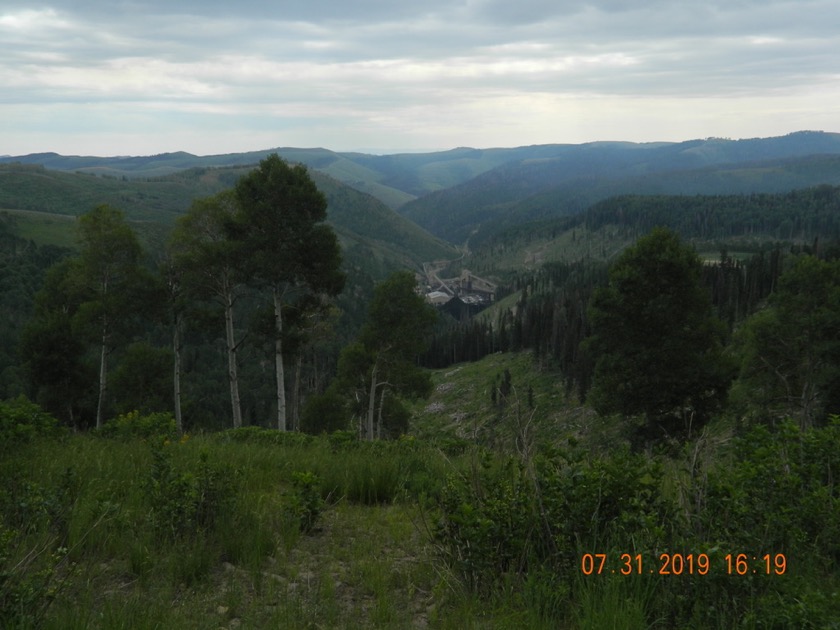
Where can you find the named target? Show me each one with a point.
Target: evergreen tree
(657, 346)
(791, 350)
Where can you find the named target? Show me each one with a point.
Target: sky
(123, 77)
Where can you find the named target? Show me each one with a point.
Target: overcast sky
(119, 77)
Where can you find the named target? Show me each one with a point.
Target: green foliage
(262, 435)
(161, 199)
(184, 504)
(514, 518)
(131, 425)
(23, 267)
(94, 298)
(290, 250)
(791, 350)
(398, 318)
(383, 363)
(778, 492)
(325, 413)
(22, 421)
(658, 349)
(343, 439)
(768, 492)
(143, 379)
(28, 580)
(34, 529)
(30, 507)
(305, 503)
(797, 215)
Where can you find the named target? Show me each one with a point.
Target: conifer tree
(657, 346)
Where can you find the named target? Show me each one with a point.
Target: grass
(45, 228)
(461, 407)
(365, 564)
(88, 549)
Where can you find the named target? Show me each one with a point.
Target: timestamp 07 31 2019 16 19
(682, 564)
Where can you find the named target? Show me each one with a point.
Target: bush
(304, 503)
(34, 529)
(325, 413)
(516, 517)
(343, 439)
(261, 435)
(22, 421)
(187, 503)
(132, 425)
(27, 579)
(779, 493)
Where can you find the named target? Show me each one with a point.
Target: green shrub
(779, 493)
(132, 425)
(511, 517)
(324, 413)
(187, 503)
(27, 578)
(22, 421)
(305, 503)
(261, 435)
(28, 506)
(343, 439)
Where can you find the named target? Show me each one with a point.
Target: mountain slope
(531, 189)
(359, 216)
(398, 179)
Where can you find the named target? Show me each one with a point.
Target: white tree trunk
(278, 362)
(371, 403)
(103, 375)
(233, 376)
(296, 393)
(176, 373)
(379, 417)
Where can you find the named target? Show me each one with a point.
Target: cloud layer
(88, 76)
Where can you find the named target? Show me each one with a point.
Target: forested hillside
(522, 171)
(161, 200)
(739, 223)
(503, 198)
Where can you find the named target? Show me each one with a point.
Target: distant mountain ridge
(467, 193)
(568, 183)
(402, 177)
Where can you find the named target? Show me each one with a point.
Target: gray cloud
(211, 74)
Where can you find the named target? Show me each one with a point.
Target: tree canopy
(657, 346)
(385, 357)
(791, 349)
(290, 249)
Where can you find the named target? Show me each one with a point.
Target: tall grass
(141, 521)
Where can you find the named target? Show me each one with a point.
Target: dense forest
(234, 426)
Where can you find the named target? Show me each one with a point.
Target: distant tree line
(794, 216)
(799, 216)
